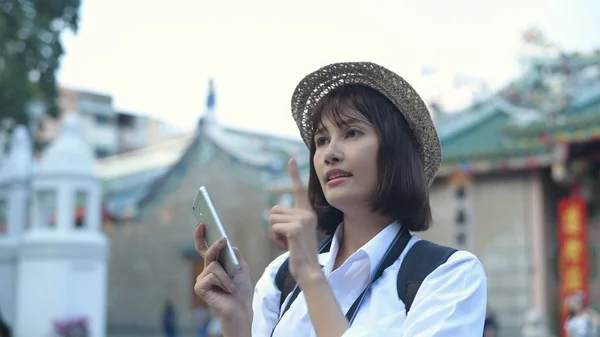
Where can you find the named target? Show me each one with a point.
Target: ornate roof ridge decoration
(554, 78)
(583, 112)
(577, 59)
(526, 140)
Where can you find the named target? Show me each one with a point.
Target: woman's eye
(320, 141)
(353, 133)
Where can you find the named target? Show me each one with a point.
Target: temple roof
(133, 179)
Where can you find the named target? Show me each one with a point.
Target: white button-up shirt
(450, 302)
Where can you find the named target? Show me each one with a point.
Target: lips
(336, 173)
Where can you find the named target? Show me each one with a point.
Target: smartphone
(204, 211)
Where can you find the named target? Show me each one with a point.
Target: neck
(359, 228)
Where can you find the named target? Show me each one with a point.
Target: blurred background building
(109, 130)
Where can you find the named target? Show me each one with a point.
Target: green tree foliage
(30, 51)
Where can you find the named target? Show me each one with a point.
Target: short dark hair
(402, 189)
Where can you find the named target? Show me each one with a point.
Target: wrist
(240, 314)
(237, 324)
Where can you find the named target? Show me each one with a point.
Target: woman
(582, 320)
(374, 153)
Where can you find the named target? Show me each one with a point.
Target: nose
(333, 153)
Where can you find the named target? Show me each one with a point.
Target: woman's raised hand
(295, 229)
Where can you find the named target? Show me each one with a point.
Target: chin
(340, 200)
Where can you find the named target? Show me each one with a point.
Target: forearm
(324, 311)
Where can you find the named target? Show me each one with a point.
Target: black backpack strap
(423, 258)
(392, 254)
(284, 281)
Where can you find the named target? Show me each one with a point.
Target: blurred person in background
(4, 329)
(582, 320)
(201, 319)
(490, 325)
(536, 324)
(169, 320)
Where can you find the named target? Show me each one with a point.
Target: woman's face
(345, 160)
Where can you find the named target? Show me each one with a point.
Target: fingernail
(222, 240)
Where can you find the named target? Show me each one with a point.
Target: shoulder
(265, 302)
(455, 294)
(268, 276)
(464, 264)
(463, 257)
(457, 260)
(460, 261)
(462, 270)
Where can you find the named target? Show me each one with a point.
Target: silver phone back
(204, 211)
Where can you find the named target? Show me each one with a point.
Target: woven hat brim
(317, 84)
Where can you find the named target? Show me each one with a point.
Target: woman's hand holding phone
(230, 298)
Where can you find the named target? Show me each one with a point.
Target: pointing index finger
(300, 196)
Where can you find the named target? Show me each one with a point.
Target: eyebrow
(346, 121)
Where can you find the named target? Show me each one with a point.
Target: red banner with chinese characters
(572, 249)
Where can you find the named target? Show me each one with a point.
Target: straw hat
(316, 85)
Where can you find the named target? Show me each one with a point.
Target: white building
(53, 260)
(108, 130)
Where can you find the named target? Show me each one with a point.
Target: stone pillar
(63, 257)
(14, 203)
(537, 245)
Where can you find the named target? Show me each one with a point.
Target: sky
(156, 59)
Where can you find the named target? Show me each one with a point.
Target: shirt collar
(374, 250)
